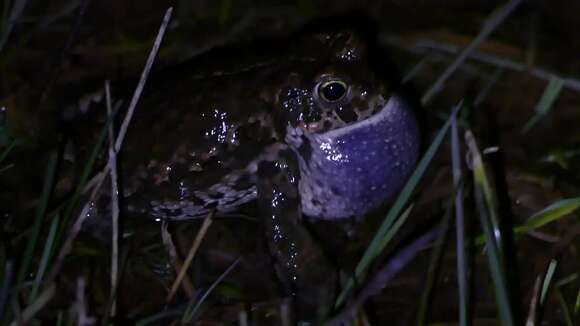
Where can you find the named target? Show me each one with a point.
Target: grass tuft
(546, 102)
(380, 240)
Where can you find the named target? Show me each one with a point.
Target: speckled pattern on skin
(203, 128)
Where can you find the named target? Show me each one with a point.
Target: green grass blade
(549, 96)
(225, 12)
(396, 227)
(568, 279)
(491, 232)
(46, 254)
(565, 308)
(60, 319)
(577, 303)
(40, 213)
(434, 267)
(88, 169)
(194, 305)
(548, 280)
(7, 150)
(495, 263)
(482, 182)
(377, 244)
(546, 101)
(551, 213)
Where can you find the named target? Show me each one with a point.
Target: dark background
(54, 54)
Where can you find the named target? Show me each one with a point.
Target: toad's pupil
(333, 91)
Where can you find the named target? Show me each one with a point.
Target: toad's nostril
(346, 114)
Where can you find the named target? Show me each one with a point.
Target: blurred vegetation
(519, 184)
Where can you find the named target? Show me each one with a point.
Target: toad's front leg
(300, 263)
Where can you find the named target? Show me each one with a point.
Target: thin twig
(423, 46)
(533, 312)
(492, 80)
(114, 200)
(501, 62)
(243, 318)
(113, 295)
(83, 319)
(285, 313)
(74, 231)
(428, 57)
(177, 263)
(143, 79)
(194, 247)
(496, 18)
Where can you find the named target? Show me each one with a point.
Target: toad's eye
(332, 90)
